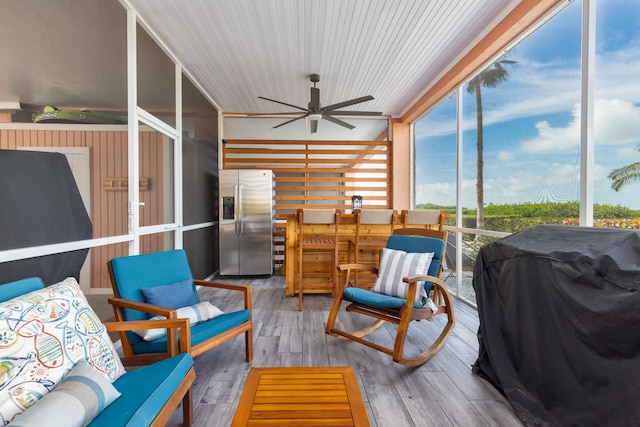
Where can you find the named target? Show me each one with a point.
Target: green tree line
(518, 216)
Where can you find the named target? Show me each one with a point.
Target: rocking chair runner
(398, 310)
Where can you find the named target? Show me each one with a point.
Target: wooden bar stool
(373, 239)
(428, 218)
(317, 231)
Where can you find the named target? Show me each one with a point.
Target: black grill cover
(40, 204)
(559, 332)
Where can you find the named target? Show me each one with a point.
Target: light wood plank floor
(443, 392)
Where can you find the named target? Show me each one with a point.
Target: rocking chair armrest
(246, 289)
(348, 268)
(440, 292)
(142, 306)
(172, 325)
(430, 279)
(353, 266)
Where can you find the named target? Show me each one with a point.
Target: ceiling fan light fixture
(315, 116)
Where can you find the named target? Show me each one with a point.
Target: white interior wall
(262, 128)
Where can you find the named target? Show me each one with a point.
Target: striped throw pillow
(394, 265)
(196, 313)
(81, 395)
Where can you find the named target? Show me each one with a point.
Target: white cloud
(554, 87)
(617, 122)
(613, 78)
(437, 128)
(626, 152)
(541, 88)
(551, 140)
(440, 193)
(506, 156)
(532, 89)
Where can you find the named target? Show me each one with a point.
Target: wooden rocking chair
(395, 309)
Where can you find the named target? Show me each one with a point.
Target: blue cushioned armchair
(133, 275)
(385, 307)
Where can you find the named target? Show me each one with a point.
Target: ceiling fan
(316, 112)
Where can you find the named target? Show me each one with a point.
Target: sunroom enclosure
(593, 77)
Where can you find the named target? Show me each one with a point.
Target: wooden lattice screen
(320, 174)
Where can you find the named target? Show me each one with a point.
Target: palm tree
(625, 175)
(492, 76)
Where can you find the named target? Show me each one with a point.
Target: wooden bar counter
(321, 262)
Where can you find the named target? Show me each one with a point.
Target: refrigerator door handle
(240, 210)
(236, 206)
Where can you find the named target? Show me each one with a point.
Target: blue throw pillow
(175, 295)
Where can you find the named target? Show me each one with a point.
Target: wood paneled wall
(109, 157)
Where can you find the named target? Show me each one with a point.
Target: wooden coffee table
(301, 396)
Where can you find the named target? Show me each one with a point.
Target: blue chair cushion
(199, 332)
(24, 286)
(374, 299)
(406, 243)
(420, 244)
(132, 273)
(144, 392)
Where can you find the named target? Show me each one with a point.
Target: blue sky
(531, 121)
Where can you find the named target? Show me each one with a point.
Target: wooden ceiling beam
(523, 16)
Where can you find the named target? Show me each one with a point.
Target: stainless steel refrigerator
(246, 222)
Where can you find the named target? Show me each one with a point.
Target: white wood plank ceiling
(393, 50)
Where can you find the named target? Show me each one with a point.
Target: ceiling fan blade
(274, 114)
(347, 103)
(355, 113)
(314, 126)
(337, 121)
(283, 103)
(289, 121)
(314, 104)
